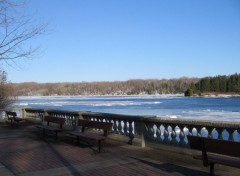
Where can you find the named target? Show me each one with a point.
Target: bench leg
(212, 169)
(99, 146)
(43, 132)
(11, 122)
(56, 135)
(17, 124)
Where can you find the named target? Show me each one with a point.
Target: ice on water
(172, 106)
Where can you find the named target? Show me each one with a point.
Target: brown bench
(215, 151)
(12, 116)
(86, 135)
(53, 120)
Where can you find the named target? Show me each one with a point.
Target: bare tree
(7, 96)
(16, 30)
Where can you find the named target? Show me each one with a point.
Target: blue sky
(117, 40)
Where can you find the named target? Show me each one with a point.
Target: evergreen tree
(188, 92)
(218, 84)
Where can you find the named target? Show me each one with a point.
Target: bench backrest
(105, 126)
(56, 120)
(223, 147)
(11, 114)
(196, 142)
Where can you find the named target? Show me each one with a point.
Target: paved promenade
(24, 152)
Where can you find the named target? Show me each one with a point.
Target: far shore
(209, 94)
(221, 94)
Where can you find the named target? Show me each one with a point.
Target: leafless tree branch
(16, 30)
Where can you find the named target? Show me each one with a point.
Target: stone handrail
(149, 128)
(167, 130)
(70, 116)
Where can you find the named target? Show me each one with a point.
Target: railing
(167, 130)
(70, 116)
(149, 128)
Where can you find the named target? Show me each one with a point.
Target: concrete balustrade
(148, 129)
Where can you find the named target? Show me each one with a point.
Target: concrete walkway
(24, 152)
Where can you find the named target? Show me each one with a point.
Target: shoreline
(214, 95)
(109, 95)
(220, 94)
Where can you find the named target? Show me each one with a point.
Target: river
(222, 108)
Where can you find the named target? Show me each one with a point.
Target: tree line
(220, 83)
(130, 87)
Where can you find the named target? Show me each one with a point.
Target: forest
(217, 84)
(189, 86)
(130, 87)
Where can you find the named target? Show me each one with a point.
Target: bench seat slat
(51, 119)
(215, 151)
(223, 147)
(12, 116)
(50, 128)
(87, 136)
(223, 159)
(199, 157)
(94, 124)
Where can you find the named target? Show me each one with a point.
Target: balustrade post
(120, 127)
(131, 135)
(230, 132)
(210, 130)
(158, 132)
(174, 136)
(219, 130)
(23, 112)
(115, 126)
(125, 128)
(182, 135)
(166, 134)
(190, 129)
(45, 114)
(199, 131)
(150, 130)
(141, 130)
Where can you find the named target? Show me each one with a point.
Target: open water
(173, 106)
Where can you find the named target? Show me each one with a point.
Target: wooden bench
(12, 116)
(215, 151)
(85, 134)
(53, 120)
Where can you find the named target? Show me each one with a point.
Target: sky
(118, 40)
